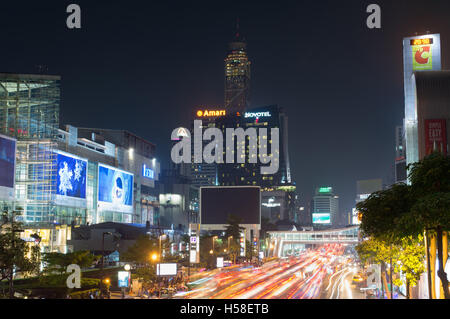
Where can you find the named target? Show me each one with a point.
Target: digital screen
(123, 279)
(217, 203)
(71, 176)
(321, 218)
(115, 189)
(166, 269)
(7, 167)
(421, 41)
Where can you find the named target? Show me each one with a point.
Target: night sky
(145, 65)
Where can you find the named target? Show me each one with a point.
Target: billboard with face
(71, 177)
(7, 167)
(115, 189)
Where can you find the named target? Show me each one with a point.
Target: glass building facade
(29, 105)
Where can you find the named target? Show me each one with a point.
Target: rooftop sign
(211, 113)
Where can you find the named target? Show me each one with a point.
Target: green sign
(325, 189)
(422, 57)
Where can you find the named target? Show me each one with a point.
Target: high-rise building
(237, 75)
(232, 174)
(325, 207)
(432, 98)
(420, 53)
(204, 174)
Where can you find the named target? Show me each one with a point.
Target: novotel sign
(148, 172)
(257, 114)
(210, 113)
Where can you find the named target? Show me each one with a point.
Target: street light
(154, 256)
(214, 237)
(127, 267)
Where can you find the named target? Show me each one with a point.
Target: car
(357, 278)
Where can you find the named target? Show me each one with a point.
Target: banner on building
(435, 136)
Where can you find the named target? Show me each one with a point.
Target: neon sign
(147, 172)
(325, 189)
(209, 113)
(257, 114)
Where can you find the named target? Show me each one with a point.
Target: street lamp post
(214, 237)
(103, 256)
(103, 250)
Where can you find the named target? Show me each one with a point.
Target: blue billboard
(71, 176)
(321, 218)
(7, 167)
(115, 189)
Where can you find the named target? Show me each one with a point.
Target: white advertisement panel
(168, 269)
(219, 262)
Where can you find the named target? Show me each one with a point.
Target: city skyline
(128, 52)
(239, 151)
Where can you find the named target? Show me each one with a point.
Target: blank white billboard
(166, 269)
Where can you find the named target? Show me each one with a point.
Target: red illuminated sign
(435, 136)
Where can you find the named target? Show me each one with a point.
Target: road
(321, 273)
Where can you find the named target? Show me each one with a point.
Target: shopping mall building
(59, 178)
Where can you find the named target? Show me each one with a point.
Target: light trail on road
(300, 277)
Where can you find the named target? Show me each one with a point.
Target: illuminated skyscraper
(237, 76)
(420, 53)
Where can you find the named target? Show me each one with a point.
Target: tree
(430, 182)
(377, 251)
(410, 256)
(16, 255)
(58, 262)
(408, 211)
(233, 234)
(380, 213)
(141, 255)
(382, 210)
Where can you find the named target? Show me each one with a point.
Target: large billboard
(115, 189)
(7, 167)
(169, 269)
(321, 218)
(71, 178)
(217, 203)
